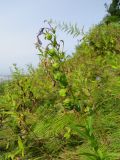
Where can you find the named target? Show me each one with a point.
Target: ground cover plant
(69, 107)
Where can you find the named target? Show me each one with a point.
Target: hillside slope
(34, 123)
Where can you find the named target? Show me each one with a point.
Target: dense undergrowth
(67, 108)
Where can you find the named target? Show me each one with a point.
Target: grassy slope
(94, 75)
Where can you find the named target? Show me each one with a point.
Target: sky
(20, 21)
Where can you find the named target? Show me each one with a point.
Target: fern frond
(71, 29)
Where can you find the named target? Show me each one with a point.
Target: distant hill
(5, 77)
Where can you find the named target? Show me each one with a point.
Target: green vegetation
(113, 12)
(114, 9)
(69, 107)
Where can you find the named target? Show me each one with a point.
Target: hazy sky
(20, 21)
